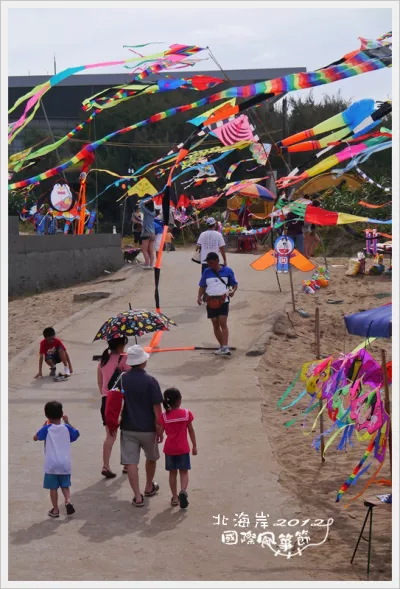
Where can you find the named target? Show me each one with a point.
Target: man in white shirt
(211, 241)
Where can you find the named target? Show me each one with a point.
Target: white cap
(211, 221)
(136, 356)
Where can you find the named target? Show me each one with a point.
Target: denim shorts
(55, 357)
(179, 462)
(53, 481)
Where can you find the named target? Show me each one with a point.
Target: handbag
(115, 375)
(196, 257)
(216, 302)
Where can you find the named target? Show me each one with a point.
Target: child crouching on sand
(53, 352)
(57, 439)
(177, 422)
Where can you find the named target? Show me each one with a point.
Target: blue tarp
(373, 323)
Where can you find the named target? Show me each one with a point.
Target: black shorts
(146, 236)
(103, 409)
(222, 311)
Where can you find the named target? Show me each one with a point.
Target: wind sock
(331, 161)
(367, 124)
(346, 121)
(318, 216)
(352, 64)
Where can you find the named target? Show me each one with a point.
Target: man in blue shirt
(219, 285)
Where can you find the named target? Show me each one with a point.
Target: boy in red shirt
(53, 351)
(177, 422)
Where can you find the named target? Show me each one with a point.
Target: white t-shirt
(57, 449)
(210, 241)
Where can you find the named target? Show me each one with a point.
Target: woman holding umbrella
(111, 365)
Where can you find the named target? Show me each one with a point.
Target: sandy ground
(317, 484)
(28, 316)
(247, 463)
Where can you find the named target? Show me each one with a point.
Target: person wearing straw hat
(140, 421)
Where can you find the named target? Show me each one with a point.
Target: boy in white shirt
(211, 241)
(57, 439)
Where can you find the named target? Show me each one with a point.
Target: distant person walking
(148, 234)
(211, 241)
(111, 365)
(219, 284)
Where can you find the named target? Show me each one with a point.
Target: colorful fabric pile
(350, 391)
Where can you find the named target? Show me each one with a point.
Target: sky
(240, 35)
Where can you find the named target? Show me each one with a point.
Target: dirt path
(235, 471)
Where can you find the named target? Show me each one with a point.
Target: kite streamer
(351, 152)
(37, 93)
(352, 478)
(370, 206)
(353, 64)
(370, 181)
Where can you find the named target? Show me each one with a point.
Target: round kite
(61, 199)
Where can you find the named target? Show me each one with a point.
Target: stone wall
(45, 262)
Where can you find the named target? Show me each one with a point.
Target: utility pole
(55, 65)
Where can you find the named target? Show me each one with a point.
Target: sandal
(70, 508)
(183, 500)
(174, 503)
(52, 513)
(155, 488)
(124, 470)
(108, 474)
(138, 504)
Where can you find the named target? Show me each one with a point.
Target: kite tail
(346, 438)
(350, 481)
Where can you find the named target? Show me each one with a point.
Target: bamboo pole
(291, 285)
(318, 354)
(387, 404)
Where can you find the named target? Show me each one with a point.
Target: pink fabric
(175, 423)
(108, 370)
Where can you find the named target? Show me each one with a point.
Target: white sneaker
(226, 351)
(219, 352)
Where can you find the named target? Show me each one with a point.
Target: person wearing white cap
(211, 241)
(140, 421)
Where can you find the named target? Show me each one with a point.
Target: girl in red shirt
(177, 422)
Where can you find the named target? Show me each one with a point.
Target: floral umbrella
(133, 323)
